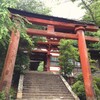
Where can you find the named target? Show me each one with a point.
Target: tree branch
(90, 11)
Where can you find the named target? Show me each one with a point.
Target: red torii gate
(72, 30)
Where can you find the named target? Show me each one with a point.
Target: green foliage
(92, 10)
(8, 24)
(92, 45)
(15, 22)
(8, 3)
(19, 24)
(78, 88)
(5, 26)
(12, 94)
(68, 55)
(33, 6)
(97, 79)
(94, 6)
(22, 62)
(93, 69)
(79, 77)
(2, 95)
(40, 67)
(92, 14)
(96, 89)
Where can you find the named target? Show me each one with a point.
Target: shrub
(78, 88)
(2, 95)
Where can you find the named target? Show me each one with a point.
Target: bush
(12, 95)
(78, 88)
(97, 80)
(2, 95)
(97, 87)
(93, 69)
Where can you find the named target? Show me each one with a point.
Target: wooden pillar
(50, 28)
(87, 77)
(7, 73)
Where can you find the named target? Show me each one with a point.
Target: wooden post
(87, 77)
(50, 28)
(9, 64)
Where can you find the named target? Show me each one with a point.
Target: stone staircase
(44, 86)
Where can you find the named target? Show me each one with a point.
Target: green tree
(92, 9)
(7, 25)
(68, 55)
(34, 6)
(92, 14)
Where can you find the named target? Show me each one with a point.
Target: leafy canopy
(68, 55)
(7, 24)
(92, 14)
(35, 6)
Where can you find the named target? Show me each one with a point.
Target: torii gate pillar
(8, 69)
(87, 77)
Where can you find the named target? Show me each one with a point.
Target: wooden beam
(59, 35)
(7, 73)
(86, 71)
(88, 27)
(48, 43)
(39, 51)
(51, 34)
(92, 39)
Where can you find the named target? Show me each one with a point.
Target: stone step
(46, 92)
(52, 92)
(45, 89)
(48, 97)
(42, 80)
(43, 83)
(44, 86)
